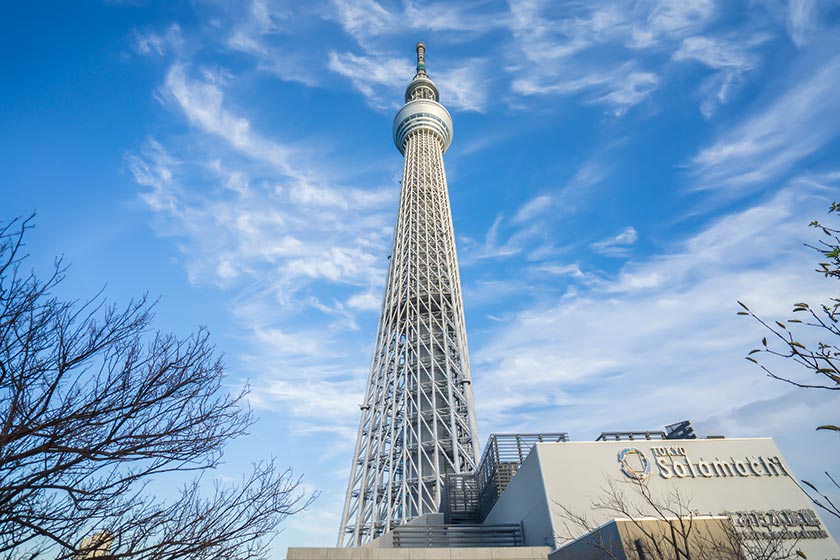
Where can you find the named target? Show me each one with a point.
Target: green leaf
(829, 427)
(809, 485)
(781, 325)
(743, 313)
(750, 359)
(797, 344)
(753, 351)
(830, 374)
(800, 553)
(742, 305)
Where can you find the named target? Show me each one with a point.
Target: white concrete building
(746, 480)
(533, 496)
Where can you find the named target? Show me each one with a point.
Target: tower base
(363, 553)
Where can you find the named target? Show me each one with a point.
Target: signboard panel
(745, 479)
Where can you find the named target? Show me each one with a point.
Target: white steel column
(418, 418)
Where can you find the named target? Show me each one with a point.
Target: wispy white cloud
(229, 233)
(792, 417)
(380, 79)
(598, 50)
(634, 88)
(247, 34)
(316, 400)
(154, 170)
(527, 235)
(590, 173)
(531, 229)
(612, 54)
(255, 217)
(159, 43)
(368, 20)
(269, 242)
(365, 302)
(465, 87)
(618, 245)
(663, 333)
(363, 19)
(549, 37)
(768, 143)
(463, 17)
(619, 88)
(715, 53)
(659, 19)
(561, 270)
(297, 66)
(202, 102)
(337, 264)
(732, 59)
(718, 90)
(561, 49)
(492, 247)
(801, 20)
(270, 32)
(533, 208)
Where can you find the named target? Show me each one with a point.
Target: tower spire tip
(421, 57)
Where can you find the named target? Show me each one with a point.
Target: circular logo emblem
(633, 463)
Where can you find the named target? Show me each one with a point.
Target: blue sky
(621, 174)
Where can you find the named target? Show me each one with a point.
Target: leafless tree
(819, 361)
(95, 409)
(667, 528)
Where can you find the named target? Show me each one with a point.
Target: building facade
(637, 496)
(745, 480)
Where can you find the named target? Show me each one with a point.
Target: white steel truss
(418, 418)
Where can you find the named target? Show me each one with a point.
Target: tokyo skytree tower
(418, 418)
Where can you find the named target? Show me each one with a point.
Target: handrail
(448, 536)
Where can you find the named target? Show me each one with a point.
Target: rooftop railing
(454, 536)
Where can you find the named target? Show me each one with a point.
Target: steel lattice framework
(418, 418)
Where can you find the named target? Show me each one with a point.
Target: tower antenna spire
(421, 58)
(421, 87)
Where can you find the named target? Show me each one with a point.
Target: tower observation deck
(418, 418)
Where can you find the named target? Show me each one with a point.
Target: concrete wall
(524, 501)
(603, 544)
(707, 538)
(705, 477)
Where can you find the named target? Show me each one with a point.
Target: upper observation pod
(422, 109)
(421, 87)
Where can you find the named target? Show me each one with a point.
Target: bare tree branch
(95, 406)
(789, 340)
(667, 528)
